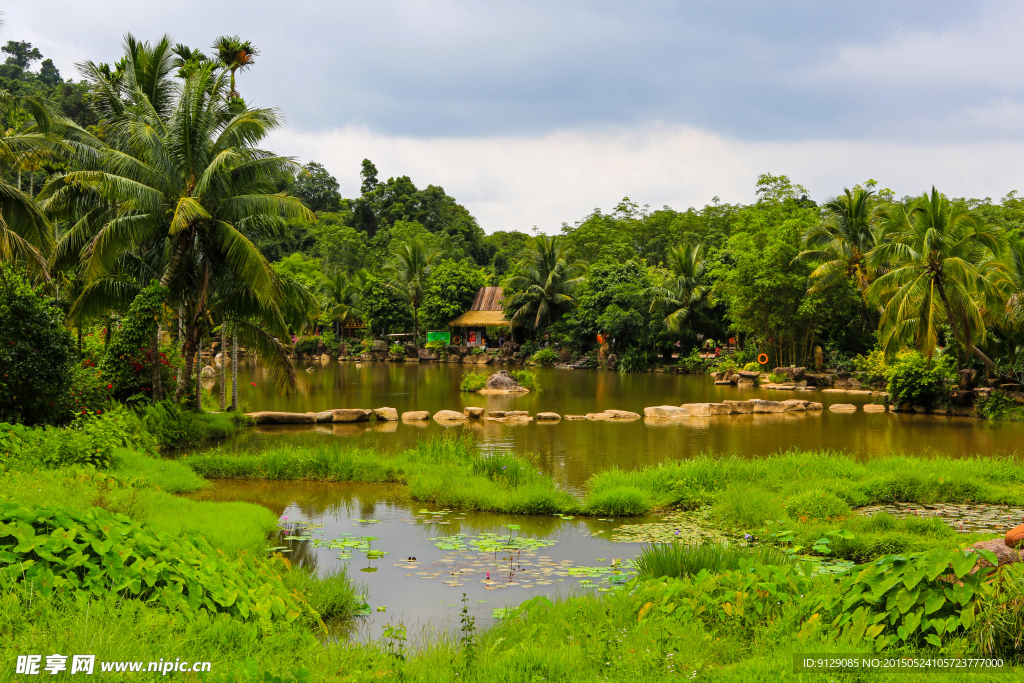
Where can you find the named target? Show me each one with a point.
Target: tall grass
(677, 559)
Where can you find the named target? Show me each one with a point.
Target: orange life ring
(763, 359)
(457, 341)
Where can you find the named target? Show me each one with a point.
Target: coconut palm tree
(943, 271)
(683, 290)
(410, 269)
(179, 189)
(235, 54)
(842, 241)
(341, 297)
(545, 281)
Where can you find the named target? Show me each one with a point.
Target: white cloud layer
(515, 183)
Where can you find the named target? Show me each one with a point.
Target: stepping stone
(665, 411)
(548, 417)
(843, 408)
(874, 408)
(415, 416)
(449, 416)
(739, 407)
(386, 414)
(473, 411)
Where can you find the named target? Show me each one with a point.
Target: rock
(582, 363)
(415, 416)
(763, 406)
(548, 417)
(473, 411)
(574, 417)
(739, 407)
(793, 374)
(612, 362)
(411, 351)
(795, 405)
(508, 348)
(517, 413)
(325, 358)
(968, 379)
(815, 406)
(455, 352)
(707, 409)
(324, 416)
(502, 382)
(449, 416)
(272, 417)
(860, 392)
(843, 408)
(723, 381)
(379, 346)
(749, 374)
(426, 354)
(746, 382)
(209, 372)
(833, 391)
(309, 369)
(386, 414)
(818, 379)
(1015, 537)
(1005, 553)
(874, 408)
(665, 411)
(351, 415)
(622, 414)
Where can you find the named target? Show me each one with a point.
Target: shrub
(440, 348)
(36, 355)
(871, 367)
(693, 363)
(307, 345)
(677, 560)
(776, 378)
(396, 349)
(526, 378)
(89, 440)
(127, 362)
(723, 364)
(175, 427)
(913, 380)
(633, 360)
(97, 552)
(752, 366)
(545, 357)
(999, 406)
(473, 380)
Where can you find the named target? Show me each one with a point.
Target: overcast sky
(535, 113)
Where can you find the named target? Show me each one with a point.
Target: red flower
(110, 386)
(252, 383)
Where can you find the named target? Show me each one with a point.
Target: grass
(676, 559)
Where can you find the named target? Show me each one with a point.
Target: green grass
(676, 559)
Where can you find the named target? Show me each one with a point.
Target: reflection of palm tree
(410, 268)
(235, 54)
(942, 272)
(842, 240)
(545, 281)
(683, 290)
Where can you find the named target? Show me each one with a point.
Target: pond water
(573, 450)
(455, 552)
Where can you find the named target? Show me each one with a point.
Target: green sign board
(439, 335)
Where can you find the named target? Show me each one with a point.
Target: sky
(535, 113)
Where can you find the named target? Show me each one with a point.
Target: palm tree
(178, 190)
(942, 271)
(341, 297)
(842, 240)
(235, 54)
(410, 268)
(545, 281)
(683, 290)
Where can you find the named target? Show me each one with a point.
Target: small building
(470, 328)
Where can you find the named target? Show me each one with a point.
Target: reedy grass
(677, 559)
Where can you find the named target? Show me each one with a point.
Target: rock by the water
(874, 408)
(763, 406)
(843, 408)
(795, 404)
(426, 354)
(792, 374)
(1015, 537)
(473, 411)
(416, 415)
(449, 416)
(968, 379)
(622, 414)
(1004, 553)
(815, 406)
(273, 417)
(324, 416)
(502, 382)
(706, 409)
(749, 374)
(574, 417)
(548, 417)
(351, 415)
(665, 411)
(739, 407)
(386, 414)
(411, 351)
(209, 372)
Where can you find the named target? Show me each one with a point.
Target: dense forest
(138, 201)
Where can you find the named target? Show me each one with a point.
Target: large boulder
(707, 409)
(795, 404)
(209, 372)
(874, 408)
(379, 346)
(456, 352)
(612, 363)
(622, 414)
(386, 414)
(324, 416)
(351, 415)
(426, 354)
(665, 411)
(749, 374)
(411, 351)
(449, 416)
(574, 417)
(473, 411)
(763, 406)
(968, 379)
(1005, 554)
(415, 416)
(792, 374)
(273, 417)
(509, 348)
(739, 407)
(502, 382)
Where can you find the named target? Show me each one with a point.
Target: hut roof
(486, 310)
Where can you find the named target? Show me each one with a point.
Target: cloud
(517, 182)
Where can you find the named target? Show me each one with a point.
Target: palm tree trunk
(198, 404)
(154, 366)
(223, 370)
(234, 368)
(172, 267)
(990, 367)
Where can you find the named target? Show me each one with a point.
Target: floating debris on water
(967, 519)
(684, 527)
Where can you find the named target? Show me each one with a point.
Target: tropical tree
(942, 271)
(842, 240)
(178, 191)
(341, 297)
(410, 269)
(545, 281)
(235, 54)
(683, 289)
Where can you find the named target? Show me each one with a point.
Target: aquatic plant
(473, 380)
(680, 559)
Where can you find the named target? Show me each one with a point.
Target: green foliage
(36, 355)
(693, 363)
(526, 378)
(97, 552)
(817, 504)
(999, 406)
(438, 347)
(307, 345)
(89, 440)
(383, 308)
(450, 291)
(473, 380)
(776, 378)
(634, 360)
(752, 366)
(127, 362)
(545, 356)
(317, 188)
(396, 349)
(676, 559)
(914, 380)
(174, 427)
(90, 393)
(872, 367)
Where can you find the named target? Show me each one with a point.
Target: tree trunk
(234, 368)
(172, 267)
(223, 369)
(188, 354)
(154, 366)
(198, 403)
(990, 367)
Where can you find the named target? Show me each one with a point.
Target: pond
(573, 450)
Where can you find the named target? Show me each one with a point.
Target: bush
(776, 378)
(723, 364)
(526, 378)
(913, 380)
(127, 362)
(37, 355)
(97, 553)
(693, 363)
(307, 345)
(175, 427)
(89, 440)
(871, 367)
(396, 349)
(999, 406)
(752, 366)
(438, 347)
(545, 357)
(473, 380)
(634, 361)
